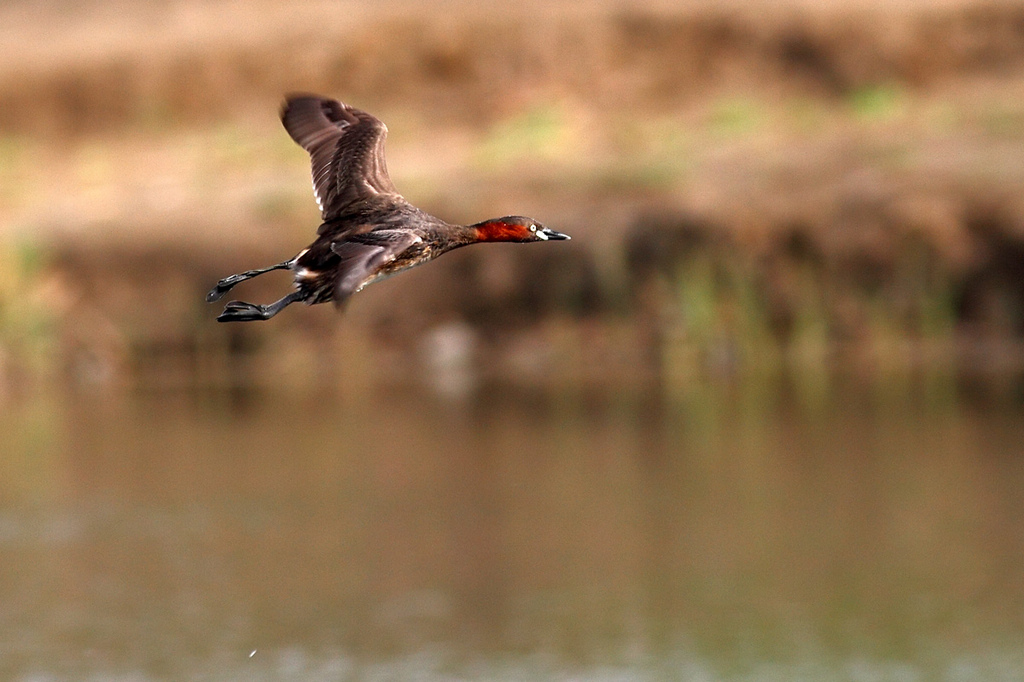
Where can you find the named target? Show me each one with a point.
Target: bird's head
(515, 229)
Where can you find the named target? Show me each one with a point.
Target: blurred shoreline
(749, 188)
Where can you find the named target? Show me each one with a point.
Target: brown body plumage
(369, 231)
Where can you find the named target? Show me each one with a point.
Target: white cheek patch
(540, 233)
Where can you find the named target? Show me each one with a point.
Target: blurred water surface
(757, 199)
(546, 535)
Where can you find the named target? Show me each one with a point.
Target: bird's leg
(240, 311)
(225, 285)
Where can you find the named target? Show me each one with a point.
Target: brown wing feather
(346, 147)
(359, 260)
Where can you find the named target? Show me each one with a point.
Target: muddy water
(176, 536)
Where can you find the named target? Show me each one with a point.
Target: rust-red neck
(499, 231)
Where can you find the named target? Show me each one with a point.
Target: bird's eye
(533, 228)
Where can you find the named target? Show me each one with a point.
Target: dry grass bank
(103, 66)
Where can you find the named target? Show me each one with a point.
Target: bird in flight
(368, 230)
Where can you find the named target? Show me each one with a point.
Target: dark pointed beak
(548, 233)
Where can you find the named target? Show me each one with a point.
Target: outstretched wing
(346, 146)
(361, 260)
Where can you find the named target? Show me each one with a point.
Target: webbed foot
(240, 311)
(223, 287)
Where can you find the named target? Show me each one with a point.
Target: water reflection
(539, 536)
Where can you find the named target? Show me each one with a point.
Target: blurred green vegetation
(737, 117)
(877, 102)
(723, 323)
(539, 132)
(28, 327)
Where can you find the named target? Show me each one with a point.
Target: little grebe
(369, 230)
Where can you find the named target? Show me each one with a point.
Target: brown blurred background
(761, 419)
(747, 185)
